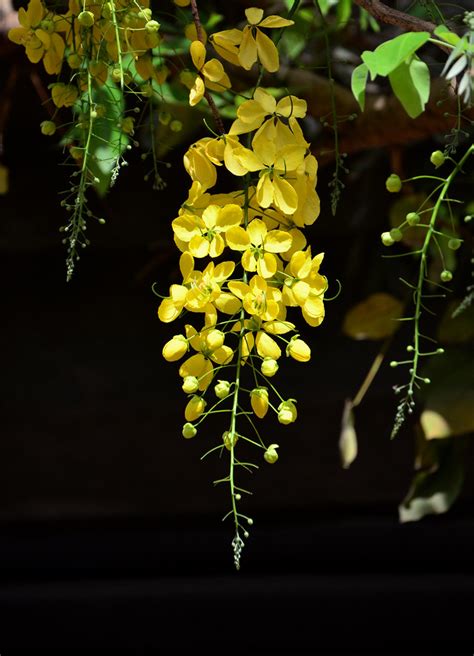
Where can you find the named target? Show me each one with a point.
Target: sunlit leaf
(358, 83)
(388, 56)
(411, 85)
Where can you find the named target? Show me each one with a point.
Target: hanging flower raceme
(258, 269)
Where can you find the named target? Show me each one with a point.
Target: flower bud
(393, 183)
(386, 239)
(48, 128)
(176, 126)
(269, 367)
(271, 454)
(152, 26)
(229, 439)
(215, 339)
(189, 430)
(287, 412)
(190, 384)
(164, 118)
(127, 125)
(437, 158)
(454, 244)
(175, 348)
(298, 350)
(195, 407)
(222, 389)
(86, 18)
(413, 218)
(259, 401)
(47, 25)
(64, 95)
(396, 234)
(145, 14)
(74, 61)
(446, 276)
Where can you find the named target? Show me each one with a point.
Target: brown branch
(385, 14)
(207, 95)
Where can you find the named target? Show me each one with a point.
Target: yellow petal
(35, 12)
(248, 159)
(17, 34)
(239, 289)
(247, 345)
(228, 303)
(199, 246)
(278, 327)
(290, 157)
(237, 239)
(248, 49)
(196, 93)
(209, 216)
(230, 215)
(213, 70)
(300, 291)
(265, 100)
(265, 191)
(222, 355)
(254, 15)
(267, 52)
(313, 311)
(217, 246)
(275, 21)
(231, 161)
(249, 262)
(185, 227)
(267, 265)
(267, 347)
(285, 196)
(223, 271)
(291, 106)
(198, 54)
(193, 366)
(168, 311)
(278, 241)
(257, 231)
(299, 350)
(186, 265)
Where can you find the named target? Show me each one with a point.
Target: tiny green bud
(454, 244)
(238, 497)
(393, 183)
(287, 412)
(229, 439)
(437, 158)
(386, 239)
(250, 521)
(145, 14)
(271, 455)
(152, 26)
(413, 218)
(222, 389)
(164, 118)
(176, 126)
(86, 18)
(394, 364)
(189, 430)
(396, 234)
(410, 348)
(467, 218)
(427, 381)
(48, 128)
(446, 276)
(440, 351)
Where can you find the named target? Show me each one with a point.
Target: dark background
(110, 532)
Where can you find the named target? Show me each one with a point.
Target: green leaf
(411, 84)
(388, 56)
(358, 83)
(438, 481)
(445, 34)
(344, 11)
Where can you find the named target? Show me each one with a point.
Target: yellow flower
(274, 166)
(210, 349)
(38, 34)
(211, 74)
(304, 185)
(203, 236)
(251, 44)
(305, 286)
(205, 294)
(270, 118)
(175, 348)
(258, 297)
(259, 246)
(287, 413)
(199, 166)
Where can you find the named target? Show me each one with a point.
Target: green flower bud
(222, 389)
(454, 244)
(48, 128)
(152, 26)
(386, 239)
(269, 367)
(47, 25)
(437, 158)
(86, 18)
(393, 183)
(164, 118)
(145, 14)
(189, 430)
(287, 412)
(396, 234)
(190, 384)
(413, 218)
(176, 126)
(271, 455)
(446, 276)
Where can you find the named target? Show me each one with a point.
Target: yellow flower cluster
(259, 227)
(92, 36)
